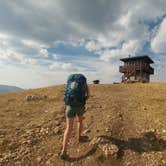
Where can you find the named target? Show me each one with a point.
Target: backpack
(74, 94)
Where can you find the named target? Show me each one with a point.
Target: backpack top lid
(77, 78)
(74, 93)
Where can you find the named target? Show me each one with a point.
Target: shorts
(72, 111)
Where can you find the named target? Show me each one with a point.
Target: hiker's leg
(80, 126)
(69, 126)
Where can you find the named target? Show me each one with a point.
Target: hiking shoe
(63, 155)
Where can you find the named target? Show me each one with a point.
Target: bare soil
(130, 116)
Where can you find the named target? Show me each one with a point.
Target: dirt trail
(109, 116)
(119, 120)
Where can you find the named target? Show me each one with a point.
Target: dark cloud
(108, 28)
(63, 19)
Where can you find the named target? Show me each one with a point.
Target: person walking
(75, 96)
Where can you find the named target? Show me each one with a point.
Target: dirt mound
(125, 124)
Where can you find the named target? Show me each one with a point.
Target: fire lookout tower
(136, 69)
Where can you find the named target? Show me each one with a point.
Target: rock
(42, 130)
(23, 142)
(13, 145)
(163, 161)
(163, 131)
(35, 97)
(128, 163)
(120, 115)
(29, 132)
(17, 128)
(110, 149)
(18, 114)
(144, 108)
(96, 141)
(39, 159)
(13, 155)
(3, 131)
(26, 151)
(48, 162)
(56, 155)
(86, 131)
(28, 98)
(107, 129)
(57, 130)
(57, 123)
(50, 154)
(18, 163)
(47, 130)
(108, 116)
(28, 141)
(107, 147)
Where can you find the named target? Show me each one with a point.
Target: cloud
(55, 56)
(93, 45)
(35, 34)
(65, 20)
(44, 52)
(158, 43)
(30, 61)
(61, 66)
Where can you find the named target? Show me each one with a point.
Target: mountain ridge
(9, 88)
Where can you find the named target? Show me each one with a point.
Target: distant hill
(7, 88)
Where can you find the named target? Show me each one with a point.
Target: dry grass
(126, 114)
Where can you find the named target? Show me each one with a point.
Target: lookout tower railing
(136, 67)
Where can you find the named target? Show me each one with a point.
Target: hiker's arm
(87, 93)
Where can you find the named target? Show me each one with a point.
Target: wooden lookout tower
(136, 69)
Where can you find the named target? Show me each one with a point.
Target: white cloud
(92, 45)
(109, 28)
(55, 56)
(128, 48)
(158, 43)
(41, 49)
(7, 53)
(31, 77)
(44, 52)
(30, 61)
(61, 66)
(66, 66)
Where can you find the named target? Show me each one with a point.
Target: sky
(42, 42)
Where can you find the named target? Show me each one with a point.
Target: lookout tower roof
(135, 58)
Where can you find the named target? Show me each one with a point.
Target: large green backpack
(74, 94)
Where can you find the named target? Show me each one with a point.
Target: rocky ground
(125, 124)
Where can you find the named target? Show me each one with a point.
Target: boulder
(28, 98)
(35, 97)
(109, 149)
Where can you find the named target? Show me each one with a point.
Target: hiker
(75, 96)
